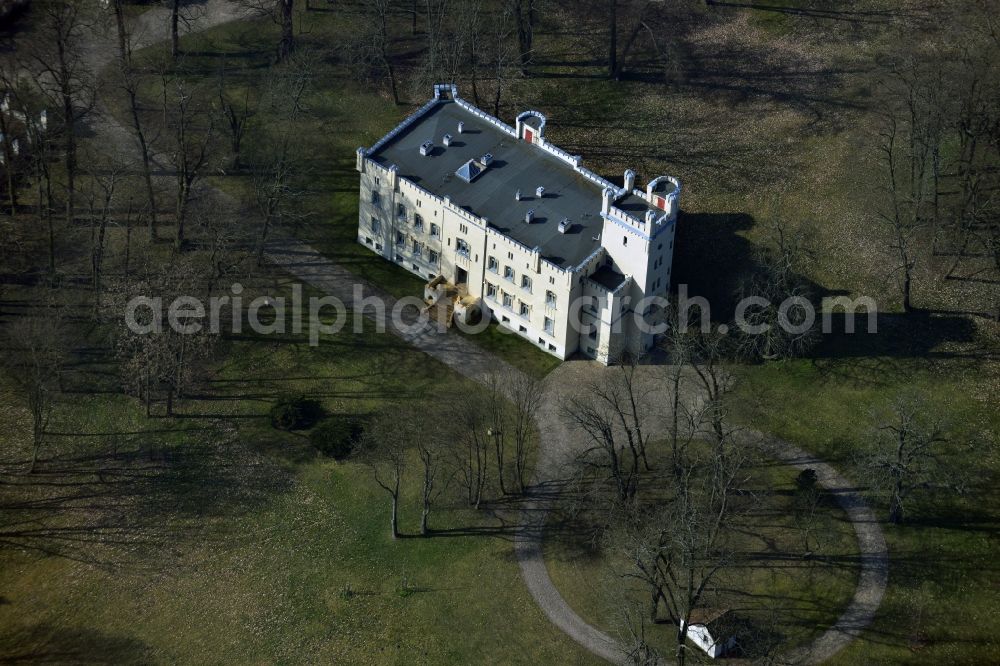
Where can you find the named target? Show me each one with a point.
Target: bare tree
(237, 115)
(496, 416)
(275, 168)
(62, 75)
(472, 425)
(282, 12)
(910, 139)
(679, 548)
(101, 201)
(381, 43)
(612, 412)
(434, 444)
(778, 324)
(525, 17)
(130, 86)
(157, 357)
(191, 131)
(525, 394)
(502, 58)
(8, 137)
(903, 455)
(383, 450)
(39, 350)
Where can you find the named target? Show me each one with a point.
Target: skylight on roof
(470, 171)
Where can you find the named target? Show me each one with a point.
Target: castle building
(557, 254)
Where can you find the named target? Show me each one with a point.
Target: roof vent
(426, 147)
(540, 192)
(487, 159)
(564, 225)
(517, 195)
(461, 127)
(529, 217)
(446, 140)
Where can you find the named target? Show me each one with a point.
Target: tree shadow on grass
(52, 644)
(132, 504)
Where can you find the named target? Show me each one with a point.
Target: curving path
(559, 445)
(559, 451)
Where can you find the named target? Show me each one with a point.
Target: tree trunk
(287, 44)
(394, 519)
(8, 154)
(147, 173)
(907, 285)
(70, 147)
(613, 39)
(498, 444)
(36, 442)
(50, 222)
(175, 13)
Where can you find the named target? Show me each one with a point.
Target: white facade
(533, 297)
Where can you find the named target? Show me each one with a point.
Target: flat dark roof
(517, 165)
(607, 277)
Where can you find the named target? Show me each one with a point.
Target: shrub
(806, 480)
(295, 413)
(336, 437)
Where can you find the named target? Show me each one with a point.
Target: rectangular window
(375, 225)
(401, 211)
(526, 283)
(375, 198)
(492, 265)
(462, 246)
(508, 273)
(525, 310)
(435, 232)
(550, 299)
(508, 300)
(432, 256)
(550, 326)
(464, 228)
(491, 291)
(417, 249)
(418, 222)
(400, 239)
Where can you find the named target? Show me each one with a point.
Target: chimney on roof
(426, 147)
(529, 217)
(517, 195)
(446, 140)
(461, 127)
(563, 225)
(629, 180)
(487, 159)
(540, 192)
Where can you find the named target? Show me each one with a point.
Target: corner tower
(639, 229)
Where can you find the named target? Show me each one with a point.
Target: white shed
(709, 630)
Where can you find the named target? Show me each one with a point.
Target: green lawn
(942, 562)
(213, 537)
